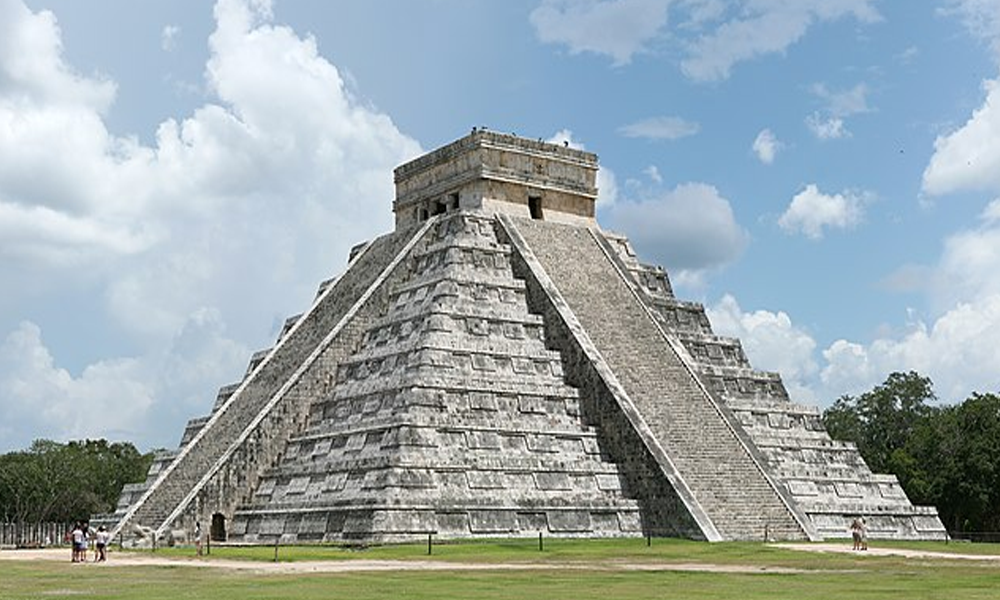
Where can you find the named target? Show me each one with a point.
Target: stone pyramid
(500, 366)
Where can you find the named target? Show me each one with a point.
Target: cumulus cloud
(659, 128)
(957, 351)
(810, 211)
(690, 229)
(616, 28)
(830, 122)
(827, 128)
(225, 224)
(766, 146)
(715, 35)
(954, 345)
(39, 397)
(761, 28)
(968, 159)
(980, 17)
(771, 343)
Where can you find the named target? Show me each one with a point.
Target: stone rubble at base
(500, 366)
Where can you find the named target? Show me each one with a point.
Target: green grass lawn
(580, 569)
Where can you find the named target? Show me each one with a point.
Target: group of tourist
(84, 537)
(859, 532)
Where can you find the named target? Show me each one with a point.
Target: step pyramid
(500, 366)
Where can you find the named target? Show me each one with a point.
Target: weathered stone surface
(500, 366)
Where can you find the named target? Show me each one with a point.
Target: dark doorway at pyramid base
(218, 531)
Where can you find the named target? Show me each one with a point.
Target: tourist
(79, 540)
(102, 543)
(197, 536)
(856, 533)
(864, 534)
(90, 535)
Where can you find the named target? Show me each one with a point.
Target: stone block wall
(452, 417)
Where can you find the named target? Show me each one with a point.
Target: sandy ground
(119, 559)
(844, 548)
(125, 559)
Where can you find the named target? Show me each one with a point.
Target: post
(766, 530)
(649, 538)
(541, 548)
(276, 548)
(208, 544)
(430, 537)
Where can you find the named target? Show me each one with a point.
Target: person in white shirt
(102, 543)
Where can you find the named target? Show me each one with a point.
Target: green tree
(881, 421)
(948, 457)
(51, 481)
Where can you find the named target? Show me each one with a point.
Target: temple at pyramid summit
(499, 365)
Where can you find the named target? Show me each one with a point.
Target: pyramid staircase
(250, 424)
(723, 478)
(479, 373)
(826, 479)
(452, 417)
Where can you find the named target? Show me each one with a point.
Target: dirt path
(126, 559)
(843, 548)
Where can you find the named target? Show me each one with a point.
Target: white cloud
(831, 128)
(617, 28)
(659, 128)
(690, 229)
(766, 146)
(716, 35)
(763, 27)
(968, 159)
(810, 211)
(116, 398)
(32, 66)
(168, 37)
(957, 351)
(969, 263)
(844, 103)
(40, 399)
(830, 124)
(955, 346)
(653, 173)
(771, 343)
(235, 211)
(981, 17)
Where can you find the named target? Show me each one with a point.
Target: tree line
(947, 456)
(57, 482)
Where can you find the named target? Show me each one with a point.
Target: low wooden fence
(33, 535)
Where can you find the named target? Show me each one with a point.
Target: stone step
(721, 473)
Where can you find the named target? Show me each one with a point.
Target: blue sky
(176, 178)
